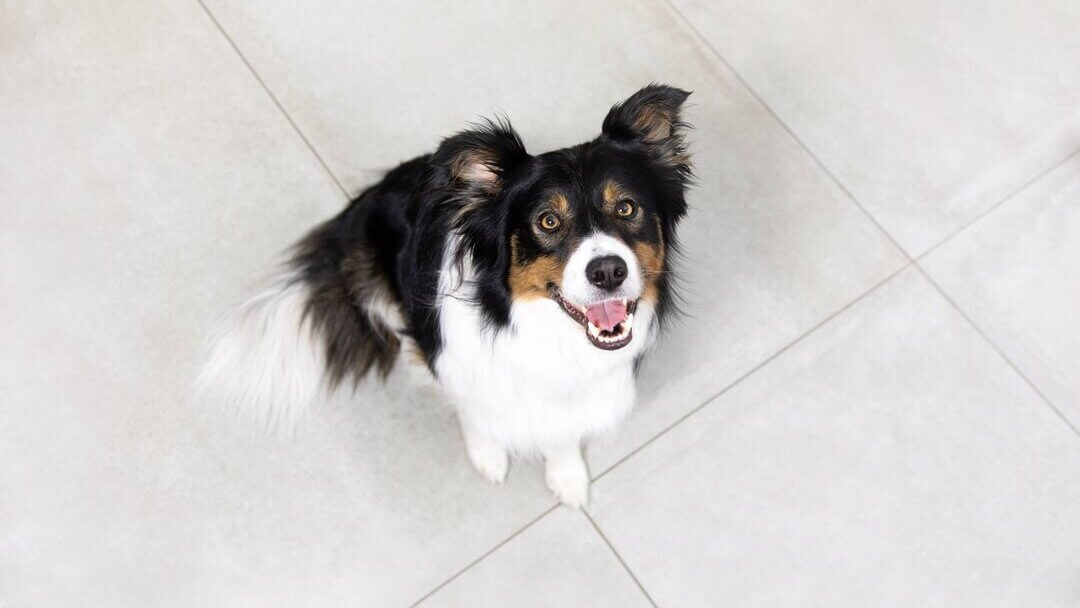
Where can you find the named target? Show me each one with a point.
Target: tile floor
(874, 400)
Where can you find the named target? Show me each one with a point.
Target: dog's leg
(567, 476)
(489, 458)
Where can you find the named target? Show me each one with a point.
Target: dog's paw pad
(570, 483)
(491, 461)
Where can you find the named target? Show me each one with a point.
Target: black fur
(482, 183)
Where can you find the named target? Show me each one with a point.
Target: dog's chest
(540, 377)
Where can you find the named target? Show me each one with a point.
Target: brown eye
(624, 208)
(548, 222)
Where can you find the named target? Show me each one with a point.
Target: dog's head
(591, 227)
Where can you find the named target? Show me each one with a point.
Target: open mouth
(608, 324)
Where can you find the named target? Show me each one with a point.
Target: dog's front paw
(490, 460)
(569, 480)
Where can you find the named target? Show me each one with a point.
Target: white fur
(383, 310)
(567, 476)
(538, 386)
(575, 284)
(263, 358)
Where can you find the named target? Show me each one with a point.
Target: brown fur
(613, 193)
(530, 280)
(364, 282)
(651, 258)
(560, 204)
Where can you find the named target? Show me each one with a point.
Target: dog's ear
(478, 160)
(652, 116)
(478, 164)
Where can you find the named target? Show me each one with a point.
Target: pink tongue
(607, 314)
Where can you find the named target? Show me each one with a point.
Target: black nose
(607, 272)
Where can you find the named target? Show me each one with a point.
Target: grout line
(851, 197)
(821, 166)
(1008, 197)
(754, 369)
(619, 557)
(682, 418)
(274, 99)
(997, 349)
(913, 260)
(484, 555)
(704, 403)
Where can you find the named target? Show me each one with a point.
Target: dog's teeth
(624, 301)
(629, 322)
(594, 330)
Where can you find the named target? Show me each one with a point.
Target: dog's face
(591, 237)
(589, 227)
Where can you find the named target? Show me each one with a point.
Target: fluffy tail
(330, 316)
(265, 358)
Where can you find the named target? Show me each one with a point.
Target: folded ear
(478, 159)
(652, 116)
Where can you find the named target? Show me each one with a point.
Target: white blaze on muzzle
(575, 284)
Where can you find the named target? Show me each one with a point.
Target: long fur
(538, 385)
(263, 357)
(444, 261)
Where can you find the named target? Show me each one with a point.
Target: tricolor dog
(529, 286)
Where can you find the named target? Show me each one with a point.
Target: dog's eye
(548, 222)
(624, 208)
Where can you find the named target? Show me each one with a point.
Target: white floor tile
(1016, 273)
(373, 84)
(559, 561)
(890, 459)
(772, 246)
(929, 112)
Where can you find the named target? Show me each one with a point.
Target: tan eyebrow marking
(613, 193)
(560, 203)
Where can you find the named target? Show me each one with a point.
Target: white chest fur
(538, 383)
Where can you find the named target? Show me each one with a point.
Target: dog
(529, 287)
